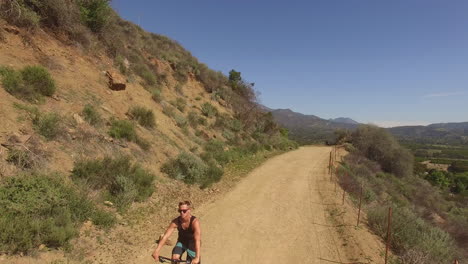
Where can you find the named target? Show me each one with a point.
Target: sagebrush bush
(48, 125)
(156, 95)
(148, 77)
(91, 115)
(187, 168)
(209, 110)
(39, 79)
(30, 83)
(120, 63)
(144, 116)
(180, 121)
(192, 119)
(41, 209)
(180, 104)
(123, 129)
(126, 182)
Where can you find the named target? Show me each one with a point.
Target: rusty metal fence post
(360, 202)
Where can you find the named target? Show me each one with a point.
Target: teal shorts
(180, 248)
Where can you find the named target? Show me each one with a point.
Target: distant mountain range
(441, 133)
(313, 129)
(310, 128)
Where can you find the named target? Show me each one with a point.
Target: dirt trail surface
(282, 213)
(285, 211)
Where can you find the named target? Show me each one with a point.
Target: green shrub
(228, 135)
(144, 116)
(91, 115)
(187, 168)
(192, 119)
(13, 82)
(39, 79)
(156, 95)
(213, 174)
(40, 209)
(120, 63)
(180, 121)
(222, 121)
(48, 125)
(235, 125)
(377, 144)
(180, 104)
(103, 219)
(95, 13)
(209, 110)
(148, 77)
(31, 83)
(123, 129)
(125, 182)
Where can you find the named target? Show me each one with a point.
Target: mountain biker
(189, 235)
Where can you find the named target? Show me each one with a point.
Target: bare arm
(163, 240)
(197, 236)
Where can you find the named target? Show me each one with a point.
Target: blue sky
(386, 62)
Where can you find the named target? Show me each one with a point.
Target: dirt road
(280, 214)
(285, 211)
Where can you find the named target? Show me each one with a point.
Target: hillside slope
(114, 147)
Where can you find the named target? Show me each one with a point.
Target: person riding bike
(189, 235)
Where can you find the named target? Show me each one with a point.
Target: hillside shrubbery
(418, 234)
(30, 83)
(124, 181)
(377, 144)
(192, 170)
(41, 209)
(124, 129)
(144, 116)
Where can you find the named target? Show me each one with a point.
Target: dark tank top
(185, 235)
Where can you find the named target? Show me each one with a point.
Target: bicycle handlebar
(164, 259)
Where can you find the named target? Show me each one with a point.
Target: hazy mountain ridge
(311, 128)
(439, 133)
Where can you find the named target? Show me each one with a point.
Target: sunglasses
(183, 211)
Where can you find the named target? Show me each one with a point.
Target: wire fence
(357, 191)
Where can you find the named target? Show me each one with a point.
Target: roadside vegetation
(122, 181)
(43, 210)
(429, 221)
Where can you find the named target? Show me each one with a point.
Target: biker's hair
(187, 203)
